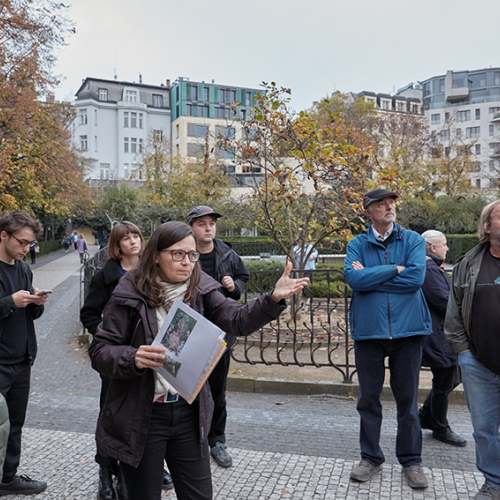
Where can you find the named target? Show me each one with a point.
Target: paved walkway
(283, 447)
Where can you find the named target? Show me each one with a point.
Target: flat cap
(201, 211)
(376, 195)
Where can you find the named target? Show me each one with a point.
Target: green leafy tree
(120, 202)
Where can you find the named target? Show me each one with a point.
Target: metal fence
(313, 330)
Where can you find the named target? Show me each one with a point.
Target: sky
(313, 47)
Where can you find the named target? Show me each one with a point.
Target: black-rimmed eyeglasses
(24, 243)
(179, 255)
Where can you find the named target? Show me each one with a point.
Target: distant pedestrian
(66, 242)
(34, 249)
(437, 353)
(389, 318)
(96, 238)
(74, 239)
(20, 305)
(81, 245)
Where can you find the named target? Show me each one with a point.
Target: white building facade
(113, 122)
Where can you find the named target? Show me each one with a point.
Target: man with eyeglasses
(221, 262)
(20, 304)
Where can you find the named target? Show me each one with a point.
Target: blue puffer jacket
(385, 304)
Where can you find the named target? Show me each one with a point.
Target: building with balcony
(113, 121)
(462, 109)
(202, 112)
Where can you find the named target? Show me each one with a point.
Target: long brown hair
(145, 275)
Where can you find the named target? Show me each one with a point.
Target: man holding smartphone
(20, 305)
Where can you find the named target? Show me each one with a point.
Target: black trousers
(218, 383)
(435, 406)
(173, 435)
(102, 458)
(405, 357)
(15, 387)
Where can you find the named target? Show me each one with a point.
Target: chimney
(49, 98)
(168, 83)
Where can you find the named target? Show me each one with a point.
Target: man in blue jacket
(385, 267)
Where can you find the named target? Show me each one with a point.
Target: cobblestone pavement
(283, 447)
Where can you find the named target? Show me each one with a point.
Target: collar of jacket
(111, 272)
(436, 259)
(397, 232)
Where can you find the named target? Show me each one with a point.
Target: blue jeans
(482, 393)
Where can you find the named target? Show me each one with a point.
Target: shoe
(22, 485)
(415, 476)
(449, 437)
(488, 492)
(222, 457)
(425, 422)
(168, 484)
(364, 471)
(106, 490)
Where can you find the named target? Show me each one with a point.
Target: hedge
(458, 245)
(47, 247)
(255, 245)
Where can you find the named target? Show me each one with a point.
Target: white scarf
(172, 292)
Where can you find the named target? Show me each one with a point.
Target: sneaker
(449, 437)
(415, 476)
(488, 492)
(22, 485)
(222, 457)
(364, 471)
(168, 483)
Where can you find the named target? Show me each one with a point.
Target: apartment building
(113, 122)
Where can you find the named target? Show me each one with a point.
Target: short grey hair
(432, 237)
(485, 221)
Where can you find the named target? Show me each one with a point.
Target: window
(84, 143)
(125, 145)
(131, 95)
(104, 167)
(476, 81)
(189, 111)
(441, 85)
(133, 120)
(95, 143)
(385, 104)
(231, 96)
(478, 149)
(414, 108)
(491, 165)
(83, 117)
(472, 132)
(126, 171)
(223, 153)
(103, 94)
(463, 116)
(217, 111)
(435, 119)
(140, 120)
(140, 145)
(157, 135)
(205, 93)
(401, 106)
(494, 148)
(491, 129)
(133, 145)
(222, 95)
(194, 92)
(194, 130)
(459, 133)
(243, 113)
(248, 101)
(177, 131)
(478, 183)
(125, 119)
(494, 110)
(203, 111)
(447, 117)
(444, 135)
(157, 101)
(478, 114)
(95, 117)
(195, 149)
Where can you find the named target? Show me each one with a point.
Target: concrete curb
(262, 385)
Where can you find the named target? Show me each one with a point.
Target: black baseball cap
(201, 211)
(376, 195)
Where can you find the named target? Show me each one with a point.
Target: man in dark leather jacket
(222, 263)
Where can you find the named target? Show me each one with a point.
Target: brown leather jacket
(129, 322)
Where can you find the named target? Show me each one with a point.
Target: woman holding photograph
(125, 246)
(144, 420)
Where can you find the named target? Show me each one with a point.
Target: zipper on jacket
(388, 304)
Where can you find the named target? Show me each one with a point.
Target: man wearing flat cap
(385, 267)
(221, 262)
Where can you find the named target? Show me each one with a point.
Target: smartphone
(43, 292)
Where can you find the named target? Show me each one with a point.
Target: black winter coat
(100, 290)
(128, 322)
(437, 352)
